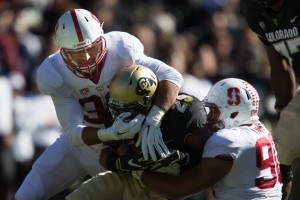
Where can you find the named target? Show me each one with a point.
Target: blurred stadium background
(206, 40)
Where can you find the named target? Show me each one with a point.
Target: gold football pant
(112, 186)
(287, 132)
(287, 141)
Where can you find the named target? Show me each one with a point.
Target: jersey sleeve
(162, 70)
(130, 48)
(70, 116)
(181, 120)
(255, 23)
(48, 79)
(220, 145)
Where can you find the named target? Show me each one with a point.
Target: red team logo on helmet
(234, 97)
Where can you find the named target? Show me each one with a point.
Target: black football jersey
(280, 29)
(185, 116)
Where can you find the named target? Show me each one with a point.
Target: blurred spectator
(29, 44)
(9, 47)
(7, 165)
(147, 36)
(106, 12)
(196, 81)
(36, 124)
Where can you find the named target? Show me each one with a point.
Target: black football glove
(132, 162)
(175, 156)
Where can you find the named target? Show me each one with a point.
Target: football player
(277, 25)
(239, 159)
(183, 128)
(77, 78)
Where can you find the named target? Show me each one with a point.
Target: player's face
(86, 56)
(213, 114)
(134, 110)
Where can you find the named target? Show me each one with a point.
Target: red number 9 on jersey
(266, 160)
(99, 109)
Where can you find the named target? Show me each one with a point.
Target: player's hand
(121, 129)
(150, 138)
(132, 163)
(175, 156)
(132, 160)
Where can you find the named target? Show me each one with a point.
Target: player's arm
(195, 142)
(197, 139)
(70, 116)
(208, 172)
(150, 135)
(122, 156)
(166, 95)
(120, 130)
(286, 177)
(170, 81)
(109, 153)
(282, 78)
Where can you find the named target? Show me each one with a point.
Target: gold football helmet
(132, 90)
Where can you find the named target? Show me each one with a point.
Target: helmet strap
(100, 66)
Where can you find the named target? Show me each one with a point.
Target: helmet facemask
(213, 114)
(134, 108)
(82, 68)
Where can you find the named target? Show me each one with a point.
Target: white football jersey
(79, 102)
(255, 172)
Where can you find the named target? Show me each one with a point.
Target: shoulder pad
(132, 46)
(48, 76)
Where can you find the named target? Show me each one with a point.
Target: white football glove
(150, 135)
(121, 130)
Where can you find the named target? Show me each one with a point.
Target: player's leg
(89, 159)
(287, 138)
(107, 185)
(56, 169)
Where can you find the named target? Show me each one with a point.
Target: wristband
(278, 107)
(155, 115)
